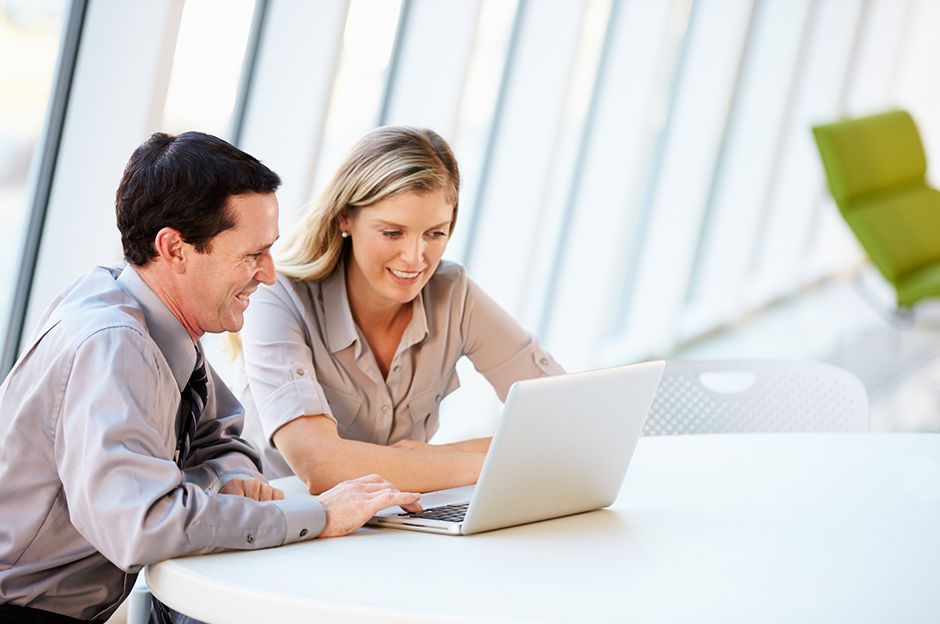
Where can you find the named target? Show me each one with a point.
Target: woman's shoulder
(449, 288)
(286, 292)
(294, 286)
(449, 276)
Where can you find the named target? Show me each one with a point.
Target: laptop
(562, 447)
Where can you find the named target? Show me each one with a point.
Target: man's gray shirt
(89, 491)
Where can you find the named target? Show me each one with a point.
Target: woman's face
(397, 244)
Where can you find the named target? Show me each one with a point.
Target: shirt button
(544, 361)
(303, 533)
(250, 539)
(300, 372)
(395, 368)
(437, 398)
(386, 409)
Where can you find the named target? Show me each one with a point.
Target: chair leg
(897, 317)
(904, 316)
(138, 603)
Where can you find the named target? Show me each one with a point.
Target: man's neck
(158, 284)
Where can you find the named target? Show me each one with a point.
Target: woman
(350, 353)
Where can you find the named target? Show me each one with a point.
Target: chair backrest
(870, 154)
(875, 167)
(756, 396)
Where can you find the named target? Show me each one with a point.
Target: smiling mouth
(405, 274)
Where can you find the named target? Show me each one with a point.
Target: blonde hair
(386, 161)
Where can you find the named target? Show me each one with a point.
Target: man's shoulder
(93, 328)
(93, 303)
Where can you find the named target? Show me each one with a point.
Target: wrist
(233, 475)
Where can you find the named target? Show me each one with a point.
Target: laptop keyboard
(447, 513)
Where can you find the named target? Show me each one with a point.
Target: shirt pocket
(346, 409)
(424, 409)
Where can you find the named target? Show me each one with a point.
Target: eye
(391, 233)
(437, 235)
(255, 256)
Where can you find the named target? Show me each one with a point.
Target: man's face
(218, 283)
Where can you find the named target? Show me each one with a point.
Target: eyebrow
(263, 249)
(404, 227)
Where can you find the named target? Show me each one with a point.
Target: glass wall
(207, 65)
(635, 174)
(29, 43)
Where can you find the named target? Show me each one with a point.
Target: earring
(344, 234)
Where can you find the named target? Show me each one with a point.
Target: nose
(266, 273)
(412, 251)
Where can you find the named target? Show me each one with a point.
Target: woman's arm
(477, 445)
(315, 452)
(498, 346)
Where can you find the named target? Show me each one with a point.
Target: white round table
(718, 528)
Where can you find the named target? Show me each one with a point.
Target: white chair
(136, 607)
(138, 603)
(756, 396)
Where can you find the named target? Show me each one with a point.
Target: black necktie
(194, 397)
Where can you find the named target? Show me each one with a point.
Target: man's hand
(350, 504)
(255, 489)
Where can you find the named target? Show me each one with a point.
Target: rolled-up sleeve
(500, 349)
(127, 497)
(278, 361)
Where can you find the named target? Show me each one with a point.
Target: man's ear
(172, 250)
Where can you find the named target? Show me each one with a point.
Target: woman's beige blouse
(304, 355)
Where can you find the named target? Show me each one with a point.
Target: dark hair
(183, 182)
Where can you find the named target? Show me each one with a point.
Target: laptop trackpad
(453, 496)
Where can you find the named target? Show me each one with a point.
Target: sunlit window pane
(755, 131)
(207, 65)
(780, 262)
(29, 33)
(484, 76)
(368, 41)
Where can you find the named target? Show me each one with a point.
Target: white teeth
(404, 275)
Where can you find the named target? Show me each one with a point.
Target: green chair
(876, 170)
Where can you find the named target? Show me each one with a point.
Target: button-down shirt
(89, 491)
(304, 355)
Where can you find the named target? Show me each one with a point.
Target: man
(119, 445)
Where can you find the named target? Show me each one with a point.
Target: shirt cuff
(305, 518)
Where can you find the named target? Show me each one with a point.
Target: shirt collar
(417, 329)
(340, 326)
(166, 330)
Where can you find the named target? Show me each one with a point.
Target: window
(207, 65)
(30, 33)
